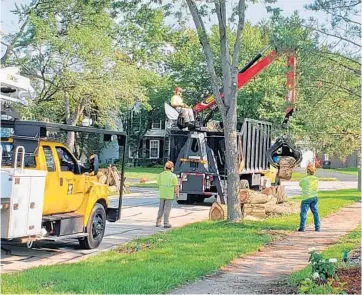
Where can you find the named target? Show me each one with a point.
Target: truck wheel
(244, 184)
(95, 228)
(199, 199)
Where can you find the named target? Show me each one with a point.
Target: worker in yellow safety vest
(168, 189)
(177, 103)
(309, 186)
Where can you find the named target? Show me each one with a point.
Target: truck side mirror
(94, 164)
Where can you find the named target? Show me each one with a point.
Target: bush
(322, 269)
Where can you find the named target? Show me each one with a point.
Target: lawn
(165, 260)
(346, 243)
(297, 176)
(350, 171)
(142, 172)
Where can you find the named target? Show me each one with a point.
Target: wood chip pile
(258, 205)
(112, 178)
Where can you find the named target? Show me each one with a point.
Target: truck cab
(75, 204)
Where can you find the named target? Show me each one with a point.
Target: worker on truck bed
(177, 103)
(309, 186)
(168, 189)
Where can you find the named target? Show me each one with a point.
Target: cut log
(281, 195)
(102, 179)
(258, 198)
(254, 210)
(244, 196)
(218, 211)
(286, 166)
(267, 191)
(270, 206)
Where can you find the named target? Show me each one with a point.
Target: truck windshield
(7, 156)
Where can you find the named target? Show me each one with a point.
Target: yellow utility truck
(46, 193)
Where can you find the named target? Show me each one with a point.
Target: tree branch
(332, 35)
(11, 46)
(224, 51)
(201, 31)
(237, 46)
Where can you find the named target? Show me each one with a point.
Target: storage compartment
(22, 197)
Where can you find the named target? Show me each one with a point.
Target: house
(154, 147)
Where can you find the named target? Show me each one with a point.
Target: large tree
(227, 105)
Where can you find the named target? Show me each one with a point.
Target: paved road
(138, 219)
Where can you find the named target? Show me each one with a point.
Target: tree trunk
(72, 119)
(359, 180)
(231, 157)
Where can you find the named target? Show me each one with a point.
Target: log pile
(112, 178)
(258, 205)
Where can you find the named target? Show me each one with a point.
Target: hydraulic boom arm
(249, 71)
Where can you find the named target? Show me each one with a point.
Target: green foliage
(310, 287)
(321, 268)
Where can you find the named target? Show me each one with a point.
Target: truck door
(52, 204)
(71, 180)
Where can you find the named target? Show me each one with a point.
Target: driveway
(138, 219)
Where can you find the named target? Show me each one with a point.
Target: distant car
(326, 164)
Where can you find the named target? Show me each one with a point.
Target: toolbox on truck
(22, 197)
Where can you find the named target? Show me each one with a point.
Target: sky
(254, 14)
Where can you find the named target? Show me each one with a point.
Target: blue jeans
(311, 203)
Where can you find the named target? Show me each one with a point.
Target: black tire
(244, 184)
(199, 199)
(95, 228)
(181, 202)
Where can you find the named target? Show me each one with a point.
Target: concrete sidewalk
(253, 273)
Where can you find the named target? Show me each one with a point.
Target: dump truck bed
(254, 139)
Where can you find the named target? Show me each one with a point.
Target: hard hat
(169, 165)
(311, 168)
(178, 89)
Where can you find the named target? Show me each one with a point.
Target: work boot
(158, 224)
(301, 229)
(167, 226)
(317, 229)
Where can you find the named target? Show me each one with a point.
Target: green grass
(297, 176)
(350, 171)
(142, 172)
(347, 243)
(172, 259)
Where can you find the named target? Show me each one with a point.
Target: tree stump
(218, 212)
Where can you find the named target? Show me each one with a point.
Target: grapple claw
(283, 148)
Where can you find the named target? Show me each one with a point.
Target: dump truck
(199, 151)
(199, 159)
